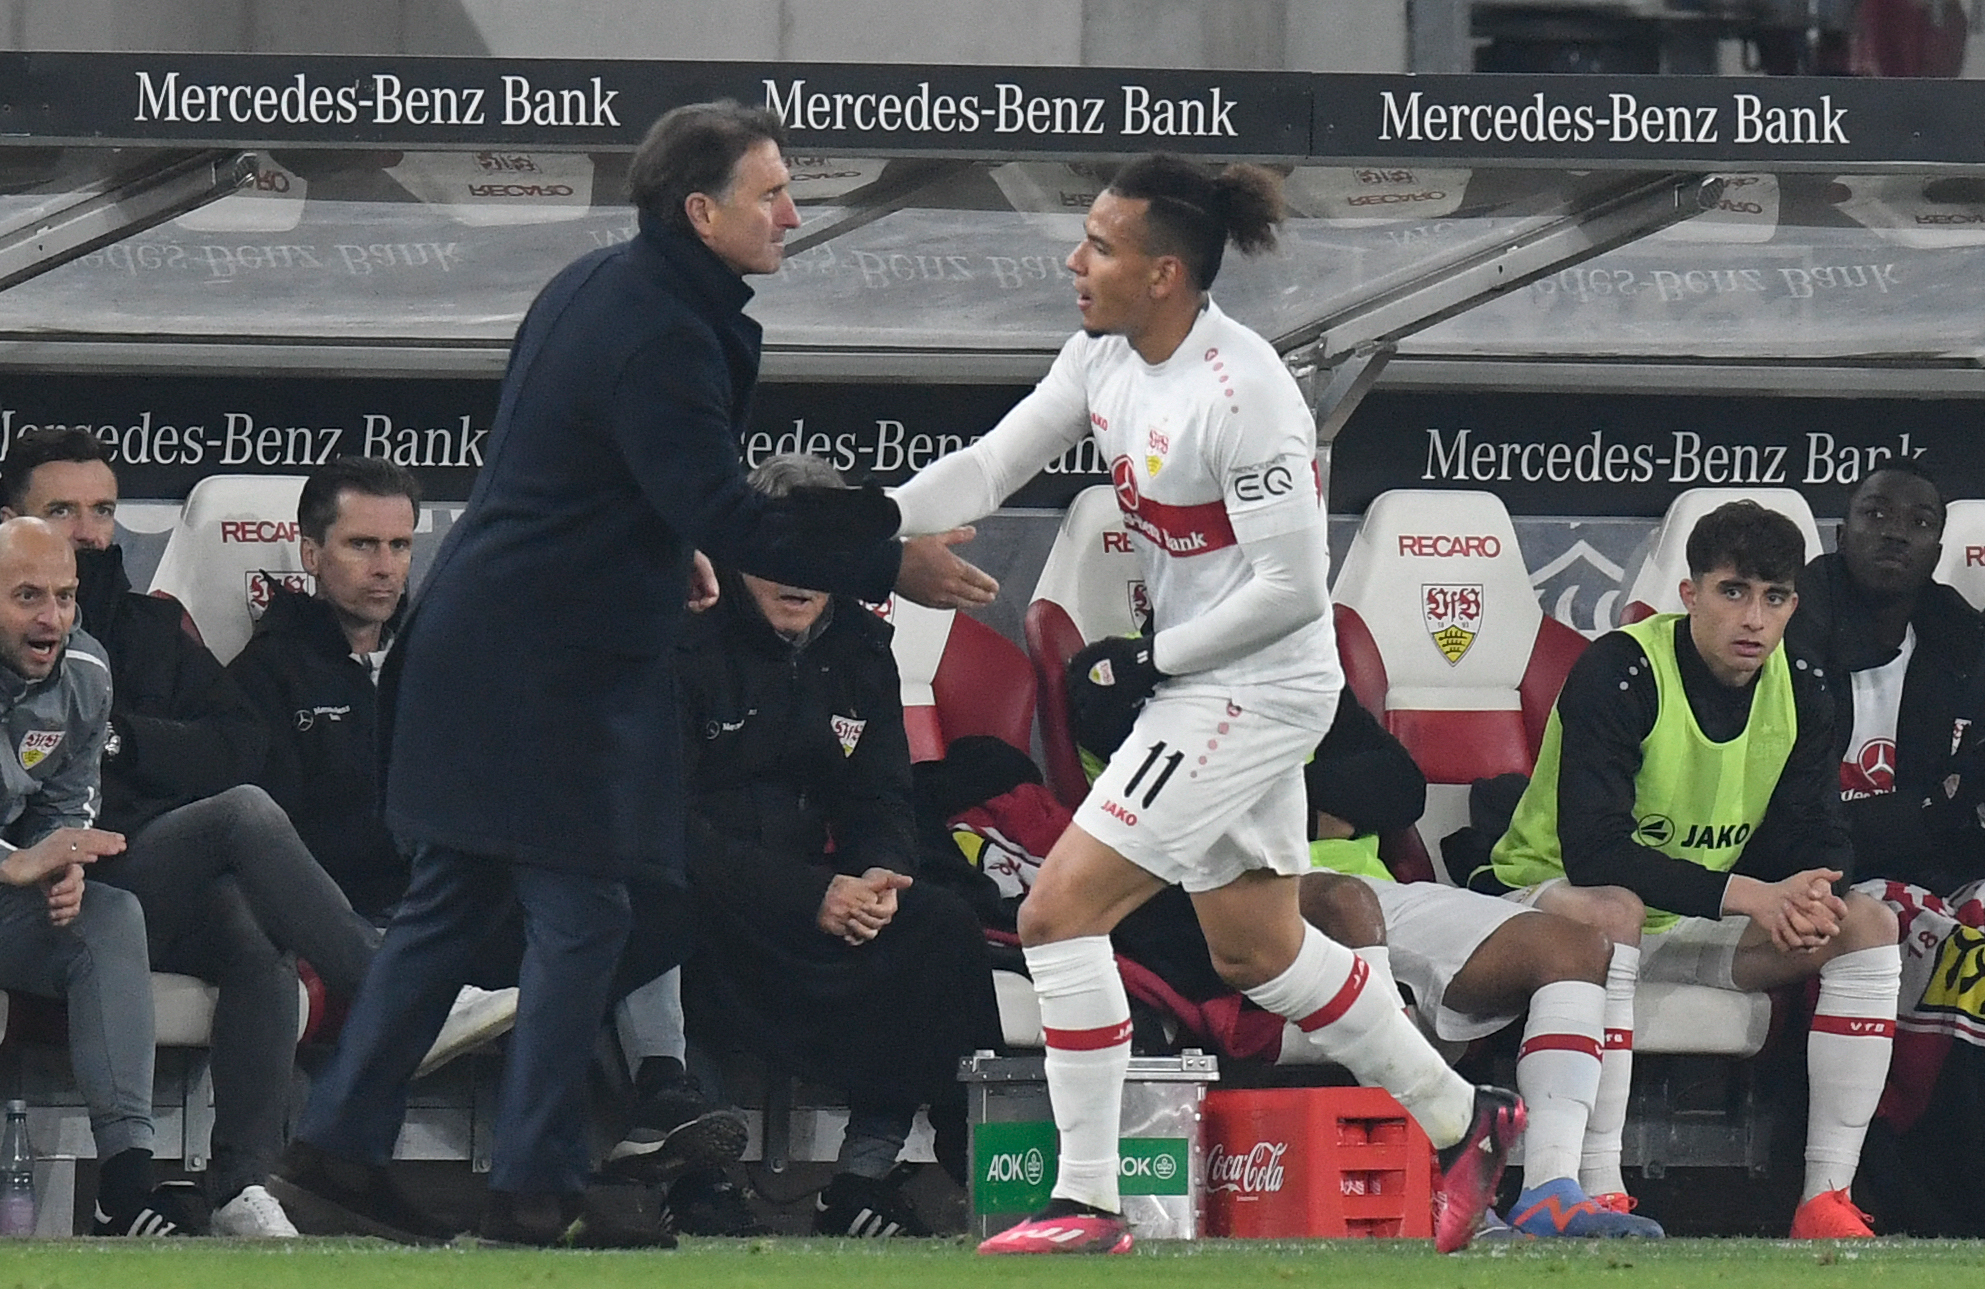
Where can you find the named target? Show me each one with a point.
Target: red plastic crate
(1285, 1163)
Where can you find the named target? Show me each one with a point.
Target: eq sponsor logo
(1258, 1171)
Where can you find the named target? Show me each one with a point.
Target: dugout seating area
(1439, 631)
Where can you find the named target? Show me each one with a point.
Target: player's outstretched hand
(933, 575)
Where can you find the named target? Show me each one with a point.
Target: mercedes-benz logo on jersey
(1124, 475)
(1877, 765)
(1654, 830)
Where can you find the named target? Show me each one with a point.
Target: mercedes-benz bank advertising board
(358, 293)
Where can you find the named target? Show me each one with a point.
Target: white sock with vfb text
(1086, 1016)
(1326, 992)
(1557, 1073)
(1599, 1164)
(1847, 1061)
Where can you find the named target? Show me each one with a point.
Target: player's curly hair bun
(1249, 201)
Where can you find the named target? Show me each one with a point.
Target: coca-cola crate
(1286, 1163)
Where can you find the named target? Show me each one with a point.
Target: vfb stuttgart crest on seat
(1453, 614)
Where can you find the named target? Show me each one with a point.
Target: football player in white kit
(1211, 449)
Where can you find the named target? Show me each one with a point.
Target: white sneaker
(254, 1214)
(478, 1016)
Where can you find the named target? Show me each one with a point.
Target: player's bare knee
(1038, 923)
(1579, 952)
(1246, 969)
(1869, 924)
(1343, 908)
(1617, 913)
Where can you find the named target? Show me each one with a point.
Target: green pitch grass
(844, 1264)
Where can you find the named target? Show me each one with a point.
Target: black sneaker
(327, 1194)
(674, 1128)
(868, 1208)
(704, 1201)
(167, 1210)
(569, 1222)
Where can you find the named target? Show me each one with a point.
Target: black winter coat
(1918, 833)
(319, 706)
(528, 707)
(785, 749)
(180, 728)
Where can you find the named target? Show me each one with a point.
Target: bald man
(61, 936)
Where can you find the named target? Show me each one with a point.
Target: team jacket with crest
(55, 733)
(1212, 454)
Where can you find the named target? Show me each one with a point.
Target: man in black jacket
(311, 666)
(820, 947)
(1908, 740)
(1909, 647)
(527, 708)
(229, 892)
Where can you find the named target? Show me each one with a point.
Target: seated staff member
(1687, 802)
(230, 893)
(1474, 963)
(60, 936)
(818, 947)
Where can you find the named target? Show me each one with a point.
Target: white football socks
(1087, 1018)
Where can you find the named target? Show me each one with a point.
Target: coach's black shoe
(866, 1207)
(327, 1194)
(169, 1209)
(674, 1128)
(706, 1202)
(568, 1222)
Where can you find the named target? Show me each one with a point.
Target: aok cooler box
(1315, 1162)
(1014, 1145)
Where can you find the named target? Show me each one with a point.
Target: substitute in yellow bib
(1686, 801)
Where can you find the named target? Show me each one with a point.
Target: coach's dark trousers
(574, 927)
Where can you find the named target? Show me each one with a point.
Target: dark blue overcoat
(528, 710)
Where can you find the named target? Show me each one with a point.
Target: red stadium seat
(1439, 630)
(1091, 586)
(959, 677)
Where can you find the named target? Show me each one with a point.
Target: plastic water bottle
(16, 1174)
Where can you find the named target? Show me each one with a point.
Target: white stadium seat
(1440, 629)
(1662, 563)
(1963, 562)
(234, 534)
(1441, 636)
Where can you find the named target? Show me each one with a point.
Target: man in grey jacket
(60, 936)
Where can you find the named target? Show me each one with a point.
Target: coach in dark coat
(527, 709)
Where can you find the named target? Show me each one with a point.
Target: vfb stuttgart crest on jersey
(849, 731)
(1453, 614)
(37, 746)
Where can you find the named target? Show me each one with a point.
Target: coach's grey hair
(779, 475)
